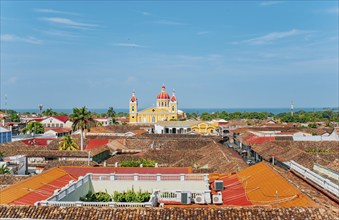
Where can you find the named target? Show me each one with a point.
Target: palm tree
(33, 127)
(49, 112)
(67, 143)
(111, 114)
(4, 169)
(82, 120)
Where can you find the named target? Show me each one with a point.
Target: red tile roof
(253, 139)
(82, 171)
(62, 118)
(94, 143)
(38, 141)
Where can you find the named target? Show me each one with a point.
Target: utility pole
(292, 109)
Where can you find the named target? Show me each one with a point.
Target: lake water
(190, 110)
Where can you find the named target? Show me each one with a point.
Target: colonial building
(166, 109)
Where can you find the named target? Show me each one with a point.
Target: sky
(215, 54)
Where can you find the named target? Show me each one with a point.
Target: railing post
(182, 177)
(136, 177)
(158, 177)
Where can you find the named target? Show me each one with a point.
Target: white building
(57, 122)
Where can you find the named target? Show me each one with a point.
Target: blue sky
(214, 54)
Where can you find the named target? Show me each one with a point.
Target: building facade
(166, 109)
(5, 135)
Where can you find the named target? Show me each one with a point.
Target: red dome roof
(133, 99)
(163, 94)
(173, 99)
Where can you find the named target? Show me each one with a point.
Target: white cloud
(269, 3)
(333, 10)
(168, 22)
(127, 45)
(69, 22)
(59, 33)
(145, 13)
(269, 38)
(52, 11)
(14, 38)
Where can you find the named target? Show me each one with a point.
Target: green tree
(111, 114)
(67, 143)
(4, 169)
(2, 154)
(33, 127)
(82, 120)
(15, 117)
(49, 112)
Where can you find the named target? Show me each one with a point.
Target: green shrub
(131, 196)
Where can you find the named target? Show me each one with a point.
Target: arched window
(153, 119)
(173, 108)
(162, 103)
(132, 108)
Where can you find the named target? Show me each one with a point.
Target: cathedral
(166, 109)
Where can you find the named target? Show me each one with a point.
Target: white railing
(319, 180)
(326, 171)
(150, 177)
(175, 196)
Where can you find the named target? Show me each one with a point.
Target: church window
(162, 103)
(153, 119)
(132, 116)
(172, 108)
(165, 104)
(132, 108)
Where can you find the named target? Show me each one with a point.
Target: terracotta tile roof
(9, 179)
(296, 150)
(139, 131)
(35, 188)
(59, 130)
(96, 143)
(252, 213)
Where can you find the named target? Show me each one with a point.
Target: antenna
(292, 108)
(5, 103)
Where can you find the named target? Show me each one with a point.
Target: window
(133, 108)
(132, 116)
(61, 125)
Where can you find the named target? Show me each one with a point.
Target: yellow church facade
(166, 109)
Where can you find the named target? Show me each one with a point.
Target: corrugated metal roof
(263, 186)
(44, 192)
(23, 188)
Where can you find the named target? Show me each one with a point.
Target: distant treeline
(51, 112)
(298, 117)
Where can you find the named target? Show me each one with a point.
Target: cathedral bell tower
(173, 107)
(133, 109)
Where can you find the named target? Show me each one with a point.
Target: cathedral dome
(163, 94)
